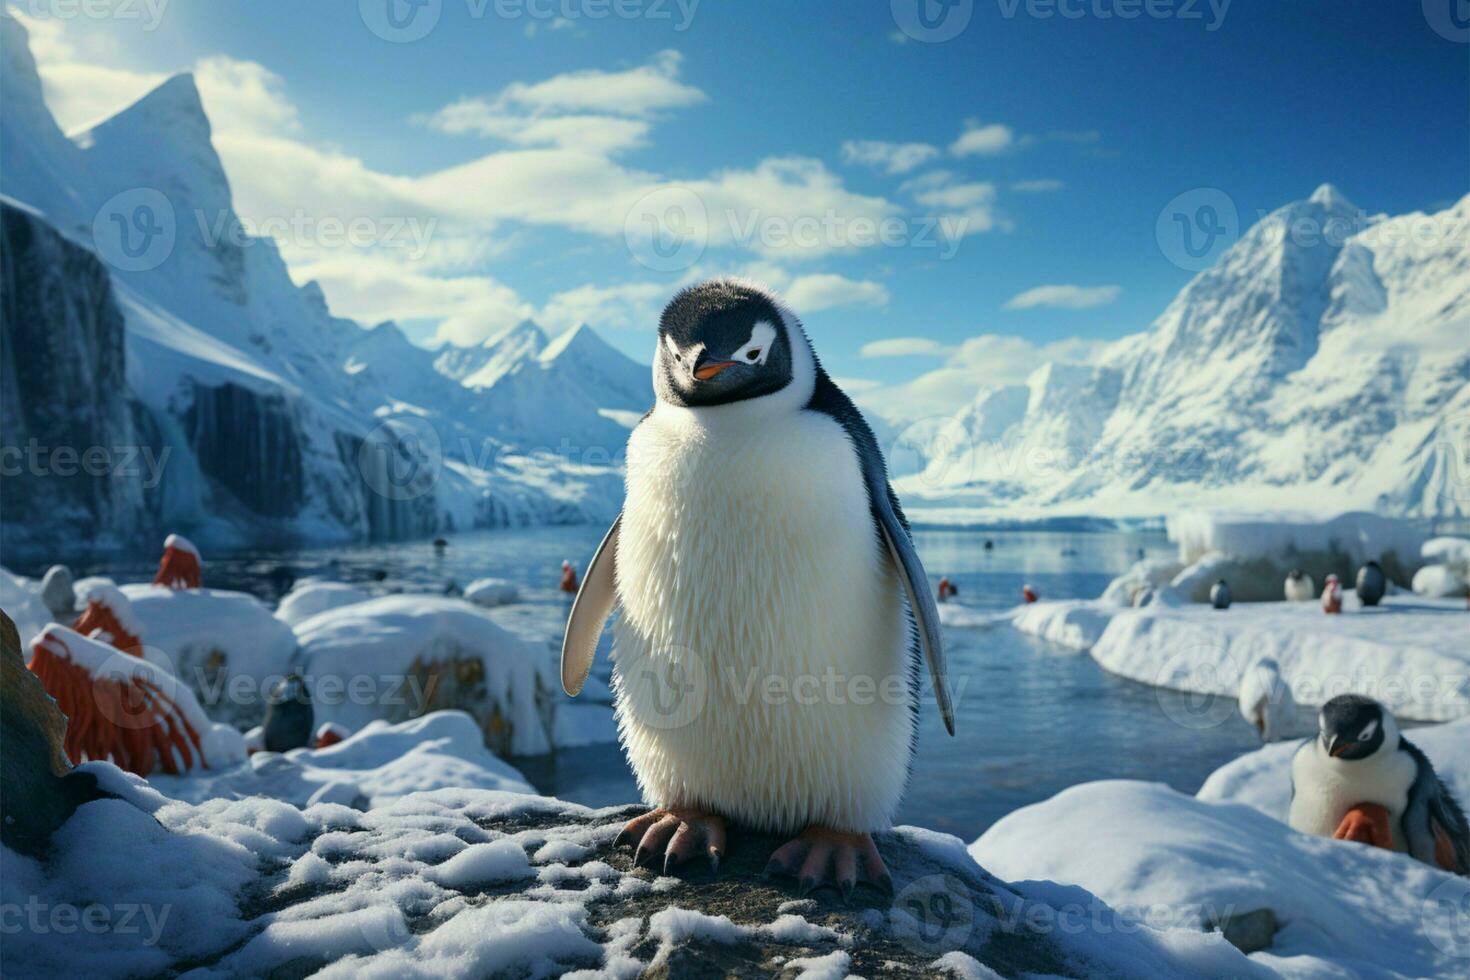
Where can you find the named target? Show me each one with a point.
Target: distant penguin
(1359, 779)
(1220, 594)
(58, 593)
(1265, 699)
(379, 574)
(759, 537)
(947, 589)
(1299, 586)
(568, 577)
(440, 544)
(989, 545)
(288, 715)
(1332, 596)
(1028, 593)
(1372, 584)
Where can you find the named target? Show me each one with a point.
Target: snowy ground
(1343, 909)
(475, 882)
(1411, 653)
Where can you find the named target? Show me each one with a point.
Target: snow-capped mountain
(1322, 364)
(183, 337)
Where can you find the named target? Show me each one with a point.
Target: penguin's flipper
(1435, 827)
(594, 603)
(921, 599)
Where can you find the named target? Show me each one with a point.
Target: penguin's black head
(290, 689)
(1295, 574)
(722, 341)
(1354, 726)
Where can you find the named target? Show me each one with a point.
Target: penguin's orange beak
(706, 371)
(1338, 748)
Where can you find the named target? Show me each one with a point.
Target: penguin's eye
(1367, 732)
(752, 355)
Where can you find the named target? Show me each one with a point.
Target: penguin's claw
(676, 834)
(822, 856)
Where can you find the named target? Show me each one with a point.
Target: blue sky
(1055, 142)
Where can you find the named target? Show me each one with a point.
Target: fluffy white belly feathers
(761, 643)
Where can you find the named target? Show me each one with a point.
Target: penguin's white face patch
(758, 347)
(1367, 731)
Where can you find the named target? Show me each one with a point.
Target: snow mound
(1174, 862)
(1449, 571)
(401, 656)
(491, 592)
(1409, 652)
(226, 646)
(309, 598)
(376, 766)
(21, 600)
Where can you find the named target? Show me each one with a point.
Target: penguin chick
(1265, 699)
(288, 715)
(1299, 586)
(1360, 779)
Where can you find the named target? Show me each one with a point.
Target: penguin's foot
(1366, 823)
(823, 856)
(677, 833)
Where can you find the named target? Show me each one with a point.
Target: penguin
(1299, 586)
(1028, 594)
(1359, 779)
(989, 545)
(568, 577)
(743, 675)
(946, 589)
(288, 715)
(1372, 584)
(1220, 594)
(59, 594)
(1332, 596)
(1265, 699)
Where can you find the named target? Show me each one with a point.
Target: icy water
(1031, 718)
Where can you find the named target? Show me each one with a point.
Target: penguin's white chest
(1325, 789)
(762, 665)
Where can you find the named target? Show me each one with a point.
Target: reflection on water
(1031, 719)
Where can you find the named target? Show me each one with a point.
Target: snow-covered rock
(1175, 862)
(1409, 652)
(21, 599)
(474, 882)
(1448, 573)
(379, 764)
(226, 646)
(401, 656)
(491, 592)
(1319, 366)
(308, 598)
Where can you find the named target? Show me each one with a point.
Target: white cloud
(968, 206)
(893, 158)
(983, 140)
(906, 347)
(983, 361)
(1064, 297)
(823, 291)
(1036, 186)
(626, 306)
(640, 91)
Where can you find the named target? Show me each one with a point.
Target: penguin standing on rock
(1299, 586)
(750, 480)
(288, 715)
(1372, 584)
(1359, 779)
(1220, 594)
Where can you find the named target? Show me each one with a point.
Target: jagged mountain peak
(579, 341)
(172, 111)
(1328, 196)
